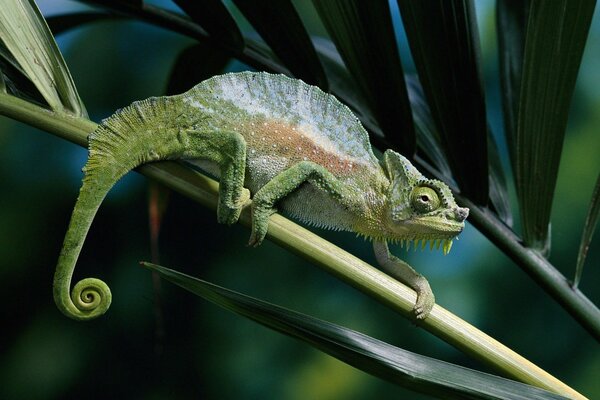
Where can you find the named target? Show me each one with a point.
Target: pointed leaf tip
(588, 231)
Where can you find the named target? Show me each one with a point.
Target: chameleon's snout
(461, 213)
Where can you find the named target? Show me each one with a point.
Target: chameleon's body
(293, 146)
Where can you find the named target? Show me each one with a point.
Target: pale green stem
(356, 272)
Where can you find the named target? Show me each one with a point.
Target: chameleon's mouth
(430, 231)
(446, 244)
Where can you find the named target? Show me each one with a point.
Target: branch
(331, 258)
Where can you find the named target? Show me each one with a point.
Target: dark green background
(208, 352)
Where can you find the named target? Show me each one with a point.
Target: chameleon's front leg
(228, 150)
(263, 202)
(405, 274)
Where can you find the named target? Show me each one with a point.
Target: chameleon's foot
(425, 300)
(260, 224)
(258, 234)
(229, 215)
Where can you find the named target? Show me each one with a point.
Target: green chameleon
(293, 146)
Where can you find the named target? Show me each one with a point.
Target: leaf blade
(371, 355)
(446, 55)
(588, 231)
(364, 36)
(26, 35)
(554, 41)
(280, 26)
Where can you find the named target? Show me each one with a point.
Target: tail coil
(127, 139)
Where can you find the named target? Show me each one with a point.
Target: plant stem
(536, 266)
(354, 271)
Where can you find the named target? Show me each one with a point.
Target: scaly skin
(294, 147)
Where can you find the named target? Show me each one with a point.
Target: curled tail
(142, 132)
(90, 297)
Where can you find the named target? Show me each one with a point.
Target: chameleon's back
(285, 121)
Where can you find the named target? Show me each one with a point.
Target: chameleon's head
(420, 209)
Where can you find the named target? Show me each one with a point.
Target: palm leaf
(588, 230)
(26, 36)
(378, 358)
(364, 36)
(280, 26)
(446, 55)
(555, 35)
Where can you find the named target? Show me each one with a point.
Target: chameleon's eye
(424, 199)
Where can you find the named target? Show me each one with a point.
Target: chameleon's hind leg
(264, 200)
(228, 151)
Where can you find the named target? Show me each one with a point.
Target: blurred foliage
(207, 352)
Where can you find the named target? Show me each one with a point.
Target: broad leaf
(280, 26)
(446, 55)
(588, 230)
(363, 34)
(378, 358)
(26, 36)
(555, 37)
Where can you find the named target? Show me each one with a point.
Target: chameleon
(277, 144)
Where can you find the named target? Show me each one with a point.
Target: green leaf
(446, 56)
(195, 64)
(341, 83)
(554, 41)
(280, 26)
(428, 137)
(511, 18)
(498, 186)
(588, 231)
(15, 79)
(26, 36)
(407, 369)
(363, 34)
(215, 18)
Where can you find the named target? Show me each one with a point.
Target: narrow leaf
(280, 26)
(446, 56)
(511, 18)
(215, 18)
(555, 38)
(588, 231)
(26, 35)
(378, 358)
(363, 34)
(195, 64)
(15, 79)
(428, 137)
(498, 186)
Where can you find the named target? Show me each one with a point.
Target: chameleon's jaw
(431, 230)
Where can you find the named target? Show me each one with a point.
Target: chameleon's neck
(369, 222)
